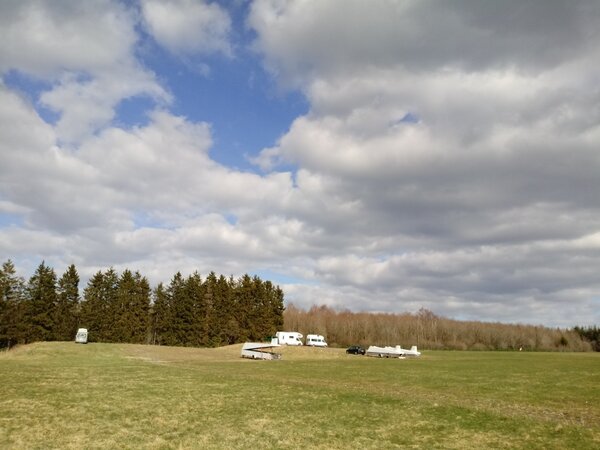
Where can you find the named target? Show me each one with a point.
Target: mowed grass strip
(64, 395)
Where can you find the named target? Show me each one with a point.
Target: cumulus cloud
(421, 36)
(448, 159)
(462, 138)
(149, 196)
(85, 50)
(188, 26)
(46, 39)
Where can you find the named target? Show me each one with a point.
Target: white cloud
(461, 138)
(87, 106)
(448, 159)
(150, 196)
(85, 50)
(188, 26)
(45, 39)
(304, 40)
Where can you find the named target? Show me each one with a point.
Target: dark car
(355, 350)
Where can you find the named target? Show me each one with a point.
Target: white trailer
(392, 352)
(287, 338)
(82, 336)
(315, 340)
(258, 350)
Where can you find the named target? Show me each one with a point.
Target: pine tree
(162, 318)
(140, 310)
(3, 308)
(131, 309)
(260, 318)
(91, 306)
(121, 328)
(110, 285)
(40, 313)
(230, 330)
(181, 313)
(273, 308)
(12, 318)
(98, 308)
(244, 307)
(196, 305)
(214, 314)
(277, 304)
(67, 305)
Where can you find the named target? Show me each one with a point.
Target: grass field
(65, 395)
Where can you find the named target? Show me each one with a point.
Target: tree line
(429, 331)
(189, 311)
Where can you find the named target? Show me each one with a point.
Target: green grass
(64, 395)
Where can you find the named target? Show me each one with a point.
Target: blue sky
(247, 110)
(245, 106)
(375, 156)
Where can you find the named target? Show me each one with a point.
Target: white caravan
(315, 340)
(392, 352)
(258, 350)
(82, 336)
(287, 338)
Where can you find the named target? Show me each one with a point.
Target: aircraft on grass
(392, 352)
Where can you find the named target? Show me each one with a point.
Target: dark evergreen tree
(3, 312)
(278, 308)
(92, 309)
(110, 286)
(67, 306)
(181, 311)
(230, 331)
(140, 310)
(198, 313)
(273, 308)
(98, 308)
(12, 306)
(131, 309)
(243, 307)
(121, 330)
(260, 317)
(161, 317)
(214, 313)
(266, 311)
(41, 306)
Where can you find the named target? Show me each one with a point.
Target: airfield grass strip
(119, 396)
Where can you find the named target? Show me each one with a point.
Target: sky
(379, 156)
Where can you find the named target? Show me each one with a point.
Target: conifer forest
(122, 307)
